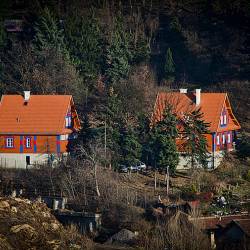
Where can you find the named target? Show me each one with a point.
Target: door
(27, 160)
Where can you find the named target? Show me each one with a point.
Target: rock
(4, 244)
(54, 244)
(13, 209)
(22, 200)
(4, 205)
(18, 228)
(45, 214)
(75, 247)
(124, 236)
(54, 226)
(25, 231)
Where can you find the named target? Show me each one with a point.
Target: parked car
(141, 166)
(123, 168)
(138, 166)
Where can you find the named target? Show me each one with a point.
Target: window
(68, 121)
(229, 138)
(225, 119)
(218, 140)
(223, 139)
(64, 137)
(28, 142)
(9, 142)
(221, 120)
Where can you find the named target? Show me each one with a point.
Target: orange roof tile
(43, 114)
(211, 106)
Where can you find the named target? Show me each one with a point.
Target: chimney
(183, 91)
(26, 96)
(197, 97)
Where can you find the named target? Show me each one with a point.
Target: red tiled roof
(43, 114)
(211, 106)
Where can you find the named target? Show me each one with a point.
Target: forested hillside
(114, 55)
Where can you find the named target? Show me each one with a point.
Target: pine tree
(169, 67)
(194, 136)
(84, 41)
(119, 55)
(131, 148)
(49, 33)
(163, 151)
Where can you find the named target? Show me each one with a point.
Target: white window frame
(229, 138)
(28, 142)
(64, 137)
(221, 120)
(218, 139)
(225, 119)
(68, 121)
(9, 142)
(223, 139)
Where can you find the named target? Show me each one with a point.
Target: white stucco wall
(12, 160)
(184, 161)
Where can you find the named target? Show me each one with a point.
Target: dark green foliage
(175, 24)
(49, 33)
(169, 67)
(131, 148)
(194, 137)
(2, 35)
(162, 146)
(84, 42)
(119, 55)
(141, 53)
(243, 147)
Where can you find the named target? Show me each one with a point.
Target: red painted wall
(44, 144)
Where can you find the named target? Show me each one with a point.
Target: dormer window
(223, 118)
(68, 121)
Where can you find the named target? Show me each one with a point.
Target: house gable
(227, 121)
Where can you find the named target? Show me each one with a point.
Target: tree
(43, 72)
(84, 42)
(243, 147)
(93, 155)
(169, 67)
(131, 148)
(195, 142)
(49, 33)
(163, 151)
(119, 56)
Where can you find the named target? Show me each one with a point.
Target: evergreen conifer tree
(119, 55)
(131, 148)
(49, 33)
(194, 136)
(84, 41)
(169, 67)
(163, 151)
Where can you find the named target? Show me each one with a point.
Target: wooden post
(167, 180)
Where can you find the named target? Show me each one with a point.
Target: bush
(248, 176)
(243, 147)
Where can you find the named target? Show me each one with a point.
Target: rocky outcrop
(30, 225)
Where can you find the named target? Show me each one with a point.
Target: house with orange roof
(217, 112)
(36, 129)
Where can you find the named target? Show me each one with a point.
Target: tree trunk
(155, 181)
(96, 181)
